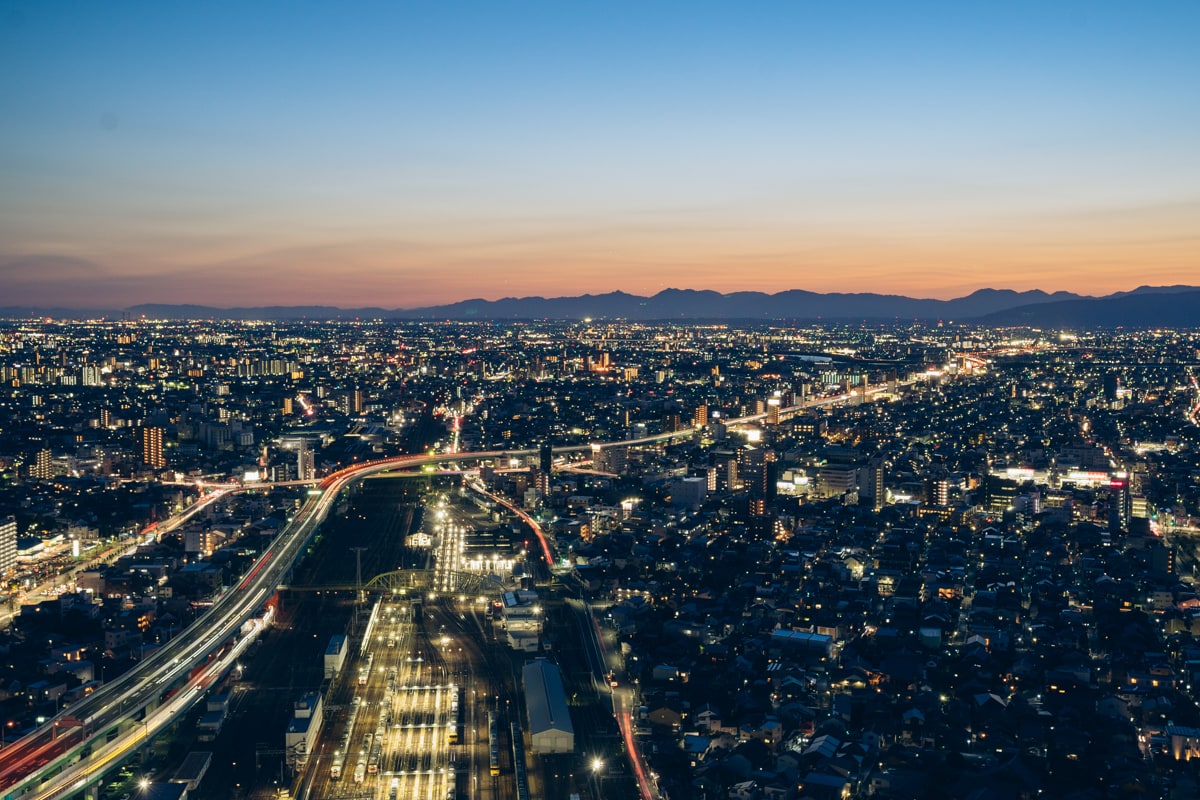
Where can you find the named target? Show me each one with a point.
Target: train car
(375, 752)
(373, 759)
(455, 723)
(518, 753)
(493, 744)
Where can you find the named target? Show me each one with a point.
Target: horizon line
(613, 292)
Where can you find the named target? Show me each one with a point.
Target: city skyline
(881, 561)
(404, 156)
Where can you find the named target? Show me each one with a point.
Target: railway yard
(427, 702)
(422, 707)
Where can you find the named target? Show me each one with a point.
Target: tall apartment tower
(8, 545)
(757, 468)
(151, 440)
(305, 462)
(773, 408)
(937, 491)
(1112, 385)
(41, 468)
(545, 466)
(876, 471)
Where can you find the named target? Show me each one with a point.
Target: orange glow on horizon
(1087, 256)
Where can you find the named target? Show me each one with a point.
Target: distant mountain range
(1144, 307)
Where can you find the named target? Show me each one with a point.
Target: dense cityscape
(597, 559)
(599, 401)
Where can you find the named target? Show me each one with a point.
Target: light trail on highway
(30, 762)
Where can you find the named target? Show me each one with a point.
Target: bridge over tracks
(409, 581)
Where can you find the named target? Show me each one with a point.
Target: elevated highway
(73, 750)
(70, 752)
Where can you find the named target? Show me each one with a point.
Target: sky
(404, 154)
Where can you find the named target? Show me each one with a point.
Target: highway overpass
(72, 751)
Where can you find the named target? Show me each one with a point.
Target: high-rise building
(545, 466)
(876, 470)
(1112, 386)
(937, 491)
(610, 459)
(999, 494)
(150, 438)
(689, 491)
(773, 410)
(709, 474)
(836, 480)
(42, 467)
(732, 481)
(700, 416)
(757, 468)
(305, 461)
(8, 545)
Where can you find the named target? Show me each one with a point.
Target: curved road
(81, 736)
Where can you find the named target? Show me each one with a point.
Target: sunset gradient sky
(408, 153)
